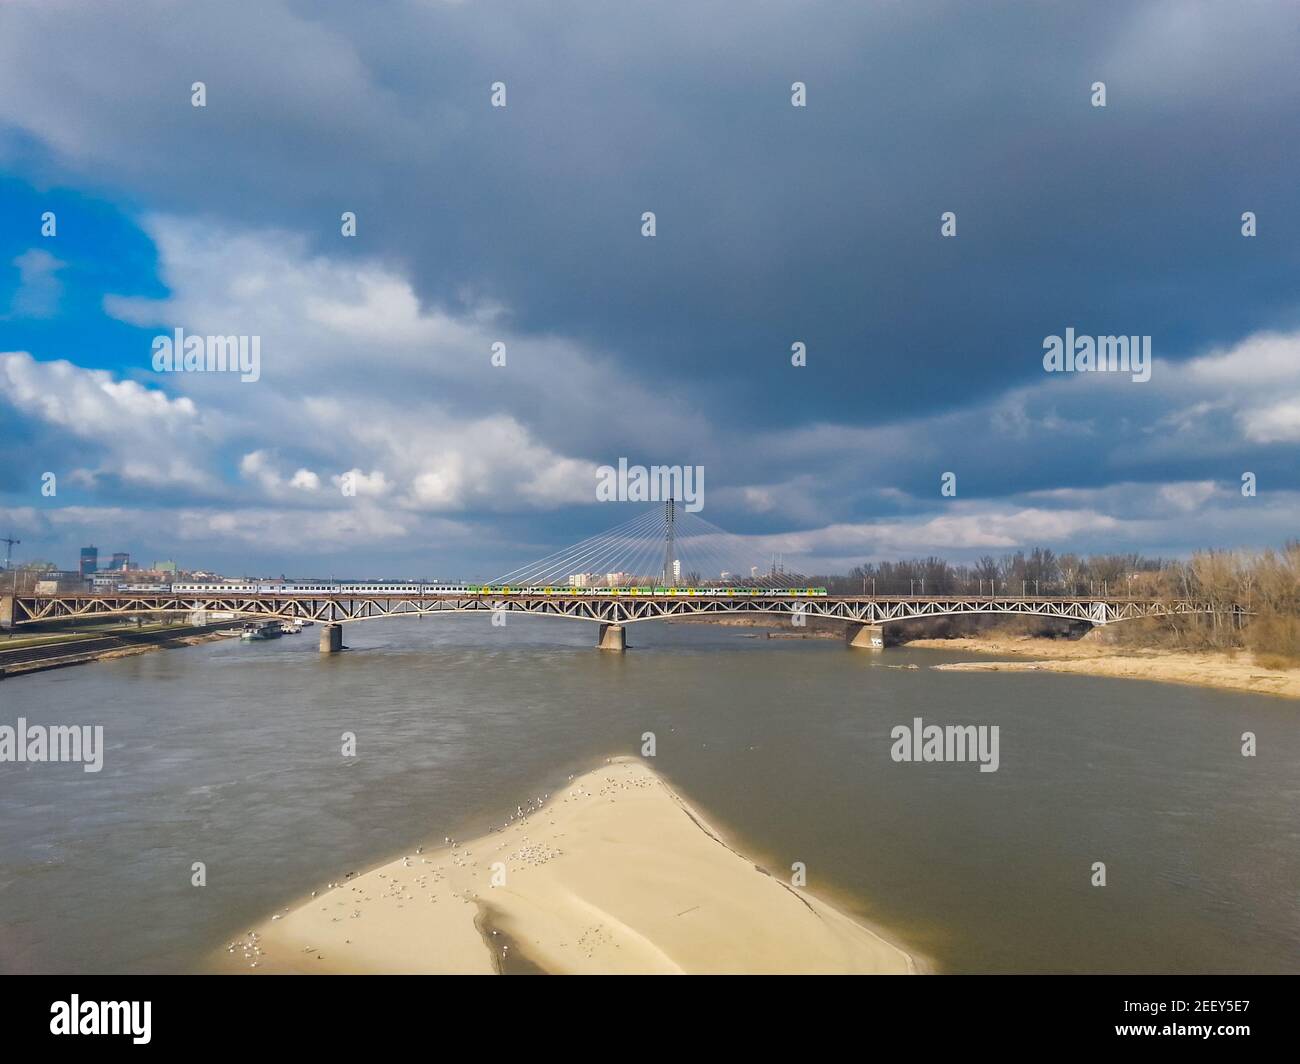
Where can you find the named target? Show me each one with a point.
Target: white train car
(484, 589)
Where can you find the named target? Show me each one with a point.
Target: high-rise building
(120, 561)
(89, 560)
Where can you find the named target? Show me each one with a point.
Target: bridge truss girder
(605, 609)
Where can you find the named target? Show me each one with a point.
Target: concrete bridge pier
(7, 611)
(871, 636)
(612, 637)
(331, 638)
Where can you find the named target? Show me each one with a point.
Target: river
(229, 754)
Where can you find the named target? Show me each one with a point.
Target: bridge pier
(871, 636)
(612, 637)
(331, 638)
(7, 610)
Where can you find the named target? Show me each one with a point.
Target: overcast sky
(522, 225)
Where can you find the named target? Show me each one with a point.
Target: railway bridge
(645, 569)
(612, 609)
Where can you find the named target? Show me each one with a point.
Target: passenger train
(466, 589)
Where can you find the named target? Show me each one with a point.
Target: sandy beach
(614, 874)
(1233, 672)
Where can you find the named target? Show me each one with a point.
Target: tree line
(1039, 571)
(1265, 584)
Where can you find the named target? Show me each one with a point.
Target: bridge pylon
(670, 546)
(612, 637)
(869, 636)
(331, 638)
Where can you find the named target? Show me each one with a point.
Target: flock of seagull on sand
(529, 854)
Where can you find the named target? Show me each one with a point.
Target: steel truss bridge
(606, 608)
(626, 553)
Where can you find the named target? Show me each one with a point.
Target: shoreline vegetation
(1253, 595)
(615, 873)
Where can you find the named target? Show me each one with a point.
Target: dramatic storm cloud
(521, 226)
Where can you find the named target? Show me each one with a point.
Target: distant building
(164, 567)
(59, 582)
(120, 563)
(89, 560)
(580, 580)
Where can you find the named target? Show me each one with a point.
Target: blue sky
(522, 225)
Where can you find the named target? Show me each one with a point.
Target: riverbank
(614, 874)
(1229, 672)
(82, 649)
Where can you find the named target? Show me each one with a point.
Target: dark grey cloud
(776, 224)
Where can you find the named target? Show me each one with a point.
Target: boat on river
(261, 630)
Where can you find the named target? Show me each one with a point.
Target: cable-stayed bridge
(663, 564)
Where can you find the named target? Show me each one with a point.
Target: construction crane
(9, 543)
